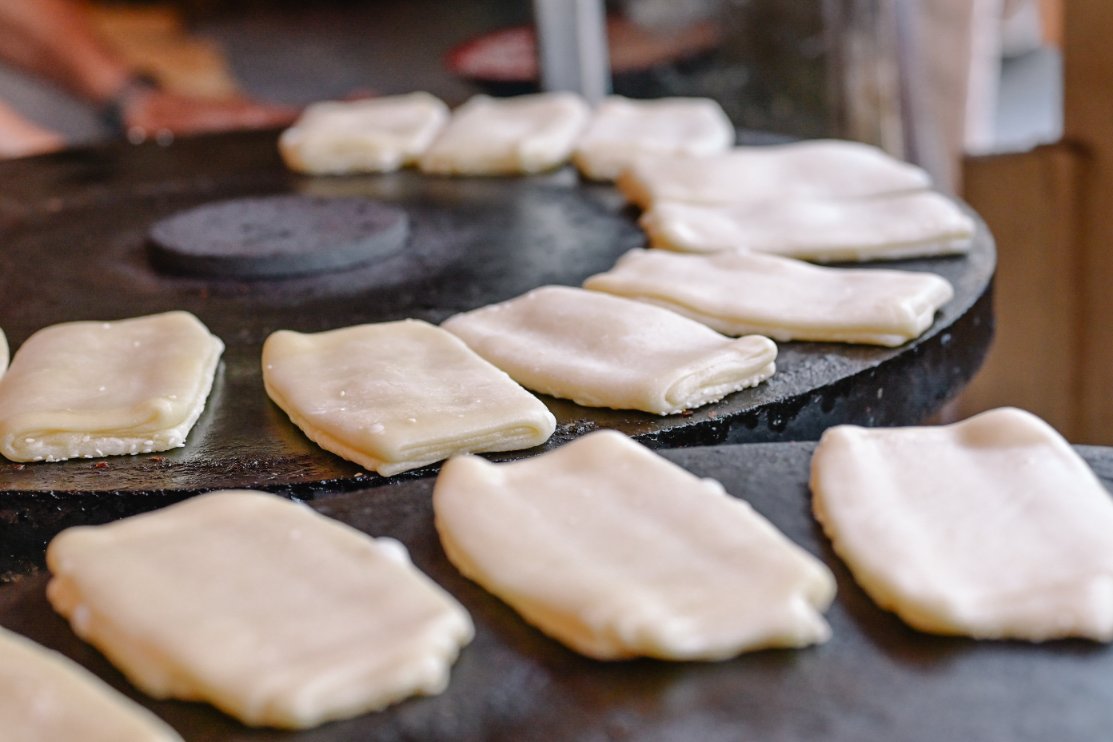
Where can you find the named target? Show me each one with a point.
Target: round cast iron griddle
(875, 680)
(277, 236)
(72, 246)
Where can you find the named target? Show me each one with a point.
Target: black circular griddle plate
(875, 680)
(277, 236)
(73, 228)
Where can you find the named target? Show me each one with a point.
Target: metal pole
(572, 47)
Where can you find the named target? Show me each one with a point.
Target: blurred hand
(159, 113)
(21, 138)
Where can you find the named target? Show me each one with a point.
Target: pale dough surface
(46, 697)
(992, 528)
(919, 224)
(820, 168)
(3, 353)
(503, 136)
(400, 395)
(91, 389)
(782, 298)
(275, 614)
(605, 351)
(621, 129)
(376, 135)
(618, 553)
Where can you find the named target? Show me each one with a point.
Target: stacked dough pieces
(603, 351)
(740, 293)
(87, 389)
(399, 395)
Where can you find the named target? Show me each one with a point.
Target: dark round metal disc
(875, 680)
(277, 236)
(73, 228)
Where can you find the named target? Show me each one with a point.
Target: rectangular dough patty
(993, 527)
(617, 553)
(46, 697)
(395, 396)
(273, 613)
(606, 351)
(818, 168)
(90, 389)
(782, 298)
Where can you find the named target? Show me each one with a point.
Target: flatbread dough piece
(919, 224)
(275, 614)
(992, 528)
(821, 168)
(367, 136)
(399, 395)
(621, 129)
(604, 351)
(617, 553)
(91, 389)
(782, 298)
(46, 697)
(505, 136)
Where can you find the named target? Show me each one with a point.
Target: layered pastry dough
(399, 395)
(604, 351)
(503, 136)
(45, 697)
(621, 129)
(919, 224)
(269, 611)
(377, 135)
(617, 553)
(88, 389)
(785, 299)
(993, 527)
(822, 168)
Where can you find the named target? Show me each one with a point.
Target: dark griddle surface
(874, 681)
(73, 228)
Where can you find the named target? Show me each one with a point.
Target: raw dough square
(621, 129)
(782, 298)
(604, 351)
(91, 389)
(366, 136)
(821, 168)
(506, 136)
(399, 395)
(992, 528)
(273, 613)
(618, 553)
(907, 225)
(46, 697)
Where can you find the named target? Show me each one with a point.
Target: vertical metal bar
(572, 47)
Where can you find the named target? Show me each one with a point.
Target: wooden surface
(1051, 210)
(1034, 361)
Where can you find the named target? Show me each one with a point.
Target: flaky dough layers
(605, 351)
(90, 389)
(395, 396)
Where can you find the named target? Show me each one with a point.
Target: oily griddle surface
(73, 234)
(875, 680)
